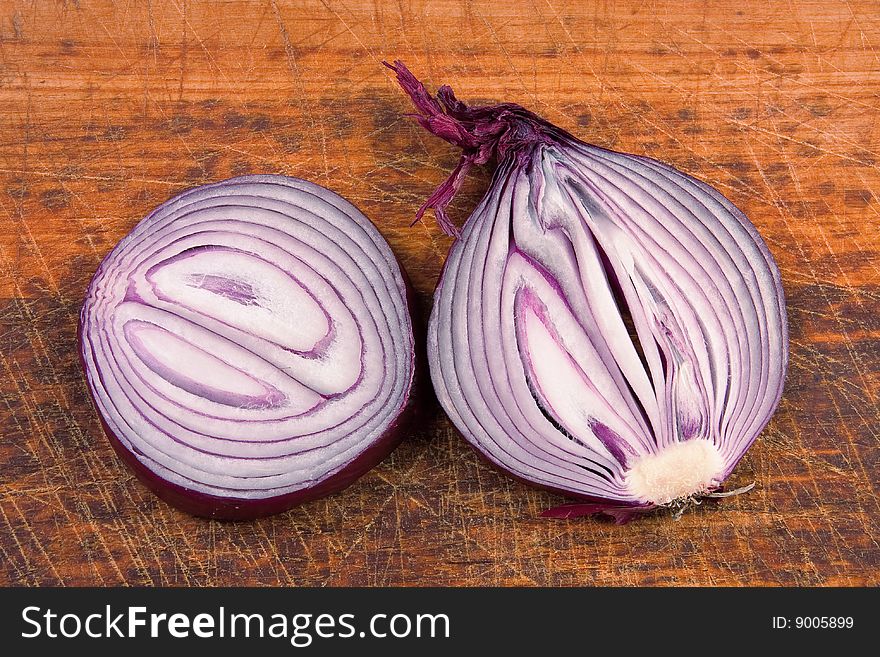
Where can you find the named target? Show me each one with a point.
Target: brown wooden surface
(108, 108)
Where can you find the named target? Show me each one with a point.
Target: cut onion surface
(249, 346)
(605, 326)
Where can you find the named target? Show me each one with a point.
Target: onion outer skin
(480, 394)
(233, 508)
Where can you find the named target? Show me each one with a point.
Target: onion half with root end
(605, 326)
(249, 346)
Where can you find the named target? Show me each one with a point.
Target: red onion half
(249, 346)
(606, 326)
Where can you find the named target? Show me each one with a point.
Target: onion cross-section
(249, 346)
(605, 326)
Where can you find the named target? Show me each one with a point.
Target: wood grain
(109, 108)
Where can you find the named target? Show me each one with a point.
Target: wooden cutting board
(109, 108)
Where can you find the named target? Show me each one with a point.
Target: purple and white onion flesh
(249, 346)
(605, 326)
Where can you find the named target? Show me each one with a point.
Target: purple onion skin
(214, 507)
